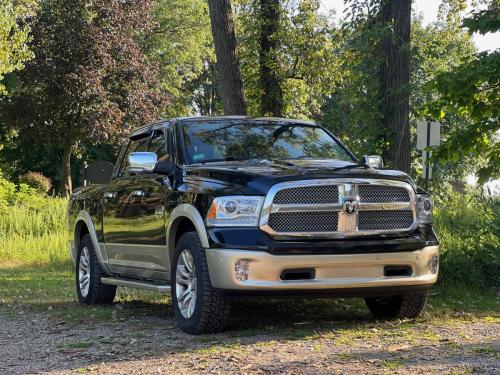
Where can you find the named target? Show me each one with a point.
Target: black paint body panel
(198, 184)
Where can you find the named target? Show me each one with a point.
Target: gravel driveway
(278, 338)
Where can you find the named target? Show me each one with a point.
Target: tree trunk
(270, 81)
(228, 69)
(394, 81)
(66, 185)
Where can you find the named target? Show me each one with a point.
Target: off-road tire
(98, 293)
(406, 306)
(211, 312)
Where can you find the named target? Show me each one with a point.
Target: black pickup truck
(211, 209)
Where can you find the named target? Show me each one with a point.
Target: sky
(429, 9)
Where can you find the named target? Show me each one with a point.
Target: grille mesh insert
(384, 220)
(323, 194)
(323, 221)
(382, 194)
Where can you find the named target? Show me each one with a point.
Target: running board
(129, 283)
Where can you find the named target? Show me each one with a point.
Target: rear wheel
(408, 306)
(89, 288)
(197, 306)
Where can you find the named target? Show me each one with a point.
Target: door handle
(109, 195)
(137, 193)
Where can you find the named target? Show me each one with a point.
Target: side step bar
(130, 283)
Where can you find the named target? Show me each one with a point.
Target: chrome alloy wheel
(185, 284)
(84, 272)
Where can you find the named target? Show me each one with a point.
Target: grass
(37, 274)
(34, 236)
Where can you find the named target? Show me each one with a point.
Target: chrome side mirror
(141, 162)
(373, 161)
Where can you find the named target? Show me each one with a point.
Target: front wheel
(406, 306)
(89, 288)
(197, 306)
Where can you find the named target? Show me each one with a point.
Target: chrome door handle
(137, 193)
(109, 195)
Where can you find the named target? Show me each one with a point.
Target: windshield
(243, 140)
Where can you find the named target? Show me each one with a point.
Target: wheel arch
(185, 218)
(84, 225)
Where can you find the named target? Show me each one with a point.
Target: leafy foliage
(36, 181)
(180, 43)
(307, 64)
(468, 226)
(352, 111)
(471, 92)
(89, 78)
(483, 21)
(14, 36)
(18, 195)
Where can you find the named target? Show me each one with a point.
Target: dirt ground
(265, 338)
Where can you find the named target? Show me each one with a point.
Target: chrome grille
(384, 220)
(326, 221)
(376, 193)
(324, 208)
(308, 195)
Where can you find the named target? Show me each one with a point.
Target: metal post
(428, 143)
(85, 173)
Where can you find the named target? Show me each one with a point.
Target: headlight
(424, 209)
(235, 211)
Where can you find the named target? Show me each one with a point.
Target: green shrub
(37, 181)
(7, 193)
(468, 226)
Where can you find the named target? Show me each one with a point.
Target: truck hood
(257, 176)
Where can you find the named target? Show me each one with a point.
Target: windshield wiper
(351, 166)
(229, 158)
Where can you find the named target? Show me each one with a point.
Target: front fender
(185, 211)
(83, 220)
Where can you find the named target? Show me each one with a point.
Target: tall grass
(34, 236)
(468, 228)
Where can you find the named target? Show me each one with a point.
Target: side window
(160, 145)
(135, 145)
(120, 163)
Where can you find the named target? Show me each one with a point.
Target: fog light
(241, 270)
(434, 264)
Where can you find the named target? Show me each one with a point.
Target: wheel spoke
(184, 295)
(183, 273)
(192, 303)
(84, 271)
(186, 283)
(188, 262)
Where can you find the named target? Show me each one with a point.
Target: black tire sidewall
(99, 293)
(85, 242)
(188, 242)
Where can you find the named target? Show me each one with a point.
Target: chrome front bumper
(344, 271)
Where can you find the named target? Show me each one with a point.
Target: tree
(89, 80)
(14, 36)
(181, 45)
(301, 61)
(395, 16)
(230, 82)
(472, 91)
(269, 65)
(352, 109)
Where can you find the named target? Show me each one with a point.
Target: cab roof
(191, 119)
